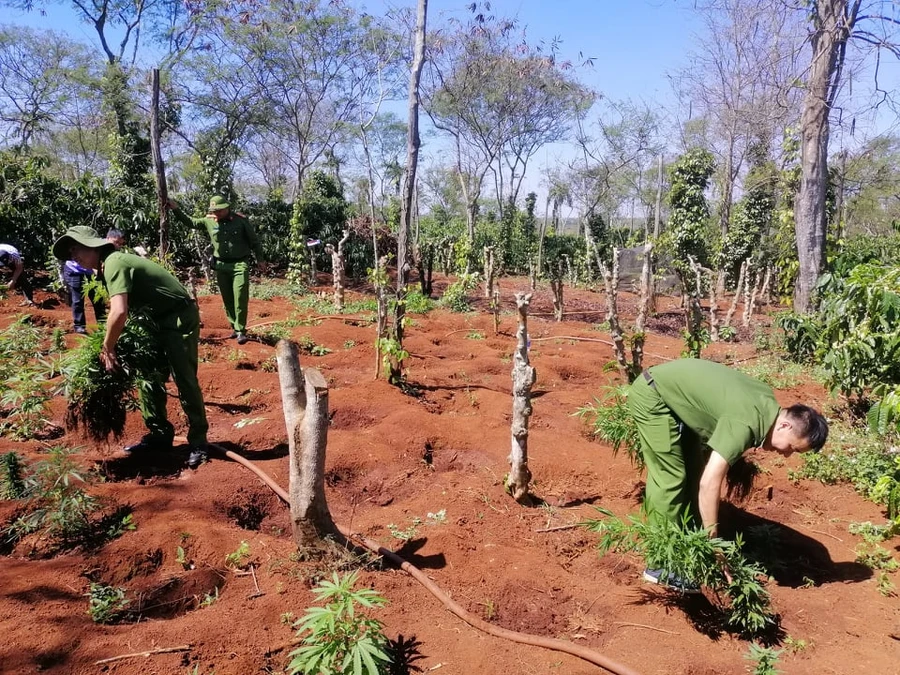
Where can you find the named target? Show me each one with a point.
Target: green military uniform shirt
(728, 410)
(233, 237)
(149, 286)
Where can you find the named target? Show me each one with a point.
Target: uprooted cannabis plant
(688, 552)
(98, 398)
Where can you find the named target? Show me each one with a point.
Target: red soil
(393, 457)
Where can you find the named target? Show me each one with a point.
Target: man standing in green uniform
(233, 239)
(136, 284)
(680, 406)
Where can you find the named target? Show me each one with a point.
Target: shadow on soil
(164, 464)
(404, 654)
(277, 452)
(792, 558)
(408, 553)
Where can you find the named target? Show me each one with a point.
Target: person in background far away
(11, 259)
(233, 240)
(136, 284)
(116, 238)
(682, 405)
(75, 277)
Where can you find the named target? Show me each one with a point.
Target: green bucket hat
(217, 203)
(79, 234)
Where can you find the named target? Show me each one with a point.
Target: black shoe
(671, 581)
(148, 444)
(197, 456)
(242, 338)
(233, 335)
(81, 329)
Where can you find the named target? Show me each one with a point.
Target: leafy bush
(611, 421)
(855, 338)
(455, 298)
(690, 553)
(416, 303)
(884, 415)
(98, 398)
(339, 639)
(106, 604)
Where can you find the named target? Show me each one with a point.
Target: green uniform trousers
(672, 453)
(178, 336)
(234, 284)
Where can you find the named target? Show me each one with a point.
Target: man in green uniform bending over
(136, 284)
(680, 406)
(233, 239)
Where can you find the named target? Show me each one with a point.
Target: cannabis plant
(98, 398)
(611, 421)
(688, 552)
(763, 659)
(337, 638)
(12, 476)
(59, 507)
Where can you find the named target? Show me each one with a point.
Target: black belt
(649, 378)
(233, 260)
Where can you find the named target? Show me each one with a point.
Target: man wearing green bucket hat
(233, 240)
(137, 284)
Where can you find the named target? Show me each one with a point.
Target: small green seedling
(238, 559)
(106, 604)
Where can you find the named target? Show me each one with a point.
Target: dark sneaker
(233, 335)
(242, 338)
(197, 456)
(671, 581)
(149, 444)
(81, 329)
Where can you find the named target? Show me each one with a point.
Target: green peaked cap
(218, 202)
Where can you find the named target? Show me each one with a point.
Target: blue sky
(633, 42)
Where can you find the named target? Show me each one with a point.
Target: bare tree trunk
(304, 396)
(313, 272)
(693, 313)
(495, 306)
(657, 229)
(748, 296)
(757, 286)
(832, 21)
(523, 377)
(714, 303)
(406, 202)
(764, 293)
(488, 271)
(381, 310)
(365, 143)
(426, 267)
(639, 337)
(737, 294)
(159, 169)
(556, 288)
(611, 282)
(337, 270)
